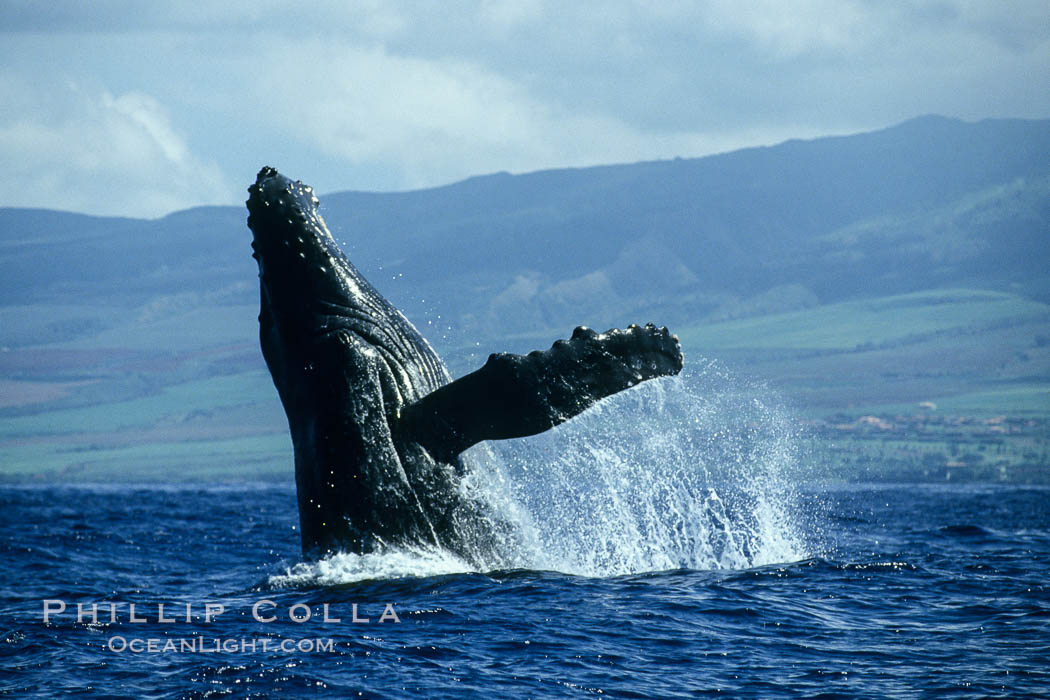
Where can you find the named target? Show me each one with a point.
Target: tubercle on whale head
(274, 194)
(299, 261)
(279, 210)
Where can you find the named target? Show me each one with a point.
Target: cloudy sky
(142, 108)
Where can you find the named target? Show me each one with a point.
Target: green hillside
(869, 323)
(955, 352)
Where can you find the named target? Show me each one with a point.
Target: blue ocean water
(918, 590)
(654, 563)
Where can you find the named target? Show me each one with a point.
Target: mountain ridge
(728, 224)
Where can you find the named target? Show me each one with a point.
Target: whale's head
(311, 295)
(303, 274)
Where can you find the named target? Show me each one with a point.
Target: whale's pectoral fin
(519, 395)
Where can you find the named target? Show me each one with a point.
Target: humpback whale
(378, 426)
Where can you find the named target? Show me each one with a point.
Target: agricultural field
(942, 385)
(948, 384)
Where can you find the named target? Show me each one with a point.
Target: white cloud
(790, 29)
(154, 128)
(504, 15)
(437, 120)
(384, 94)
(99, 153)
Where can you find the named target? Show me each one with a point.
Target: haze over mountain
(930, 203)
(895, 268)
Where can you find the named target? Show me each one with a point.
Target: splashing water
(690, 472)
(695, 471)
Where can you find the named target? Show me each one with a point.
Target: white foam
(387, 563)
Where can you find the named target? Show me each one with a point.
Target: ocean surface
(654, 562)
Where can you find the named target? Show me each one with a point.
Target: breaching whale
(378, 426)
